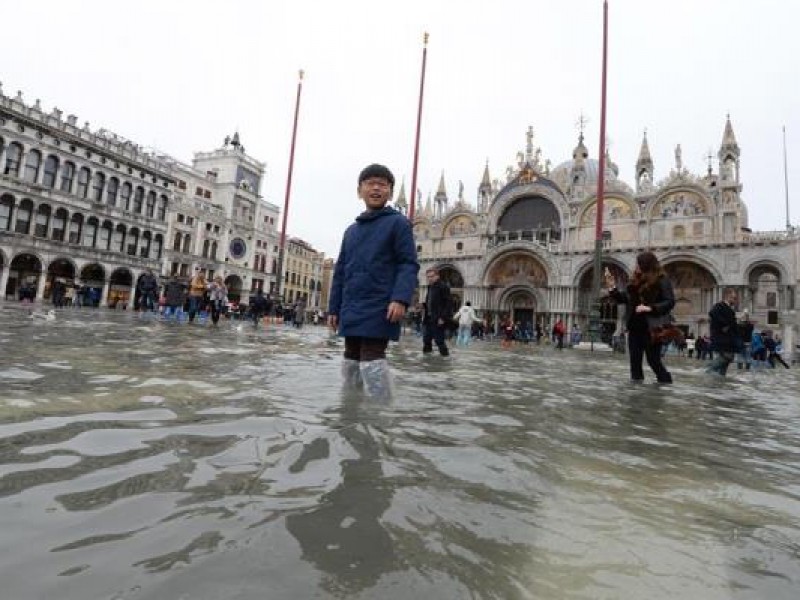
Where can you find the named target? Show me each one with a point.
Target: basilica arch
(609, 310)
(453, 278)
(695, 292)
(516, 281)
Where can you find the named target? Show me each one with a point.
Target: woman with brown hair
(648, 301)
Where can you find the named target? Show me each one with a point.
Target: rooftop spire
(441, 191)
(486, 180)
(401, 196)
(728, 137)
(644, 152)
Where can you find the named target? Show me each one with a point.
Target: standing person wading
(648, 301)
(466, 317)
(373, 283)
(438, 308)
(724, 332)
(197, 290)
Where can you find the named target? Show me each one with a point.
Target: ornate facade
(526, 248)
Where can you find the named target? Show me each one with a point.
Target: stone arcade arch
(234, 284)
(120, 285)
(24, 276)
(60, 268)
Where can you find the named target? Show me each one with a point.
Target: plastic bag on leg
(351, 373)
(377, 377)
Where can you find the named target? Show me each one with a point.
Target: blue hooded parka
(377, 265)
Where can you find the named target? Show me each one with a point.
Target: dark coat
(724, 332)
(661, 305)
(174, 293)
(377, 265)
(438, 304)
(148, 284)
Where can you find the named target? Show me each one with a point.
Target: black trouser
(364, 349)
(773, 356)
(216, 309)
(639, 346)
(434, 333)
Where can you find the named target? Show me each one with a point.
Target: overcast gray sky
(180, 75)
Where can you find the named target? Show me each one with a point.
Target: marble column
(4, 273)
(40, 286)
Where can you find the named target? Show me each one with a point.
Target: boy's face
(375, 192)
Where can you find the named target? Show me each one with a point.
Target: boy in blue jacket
(373, 282)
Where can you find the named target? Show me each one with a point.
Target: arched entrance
(694, 294)
(609, 311)
(520, 305)
(513, 279)
(453, 278)
(119, 288)
(60, 270)
(92, 280)
(234, 284)
(23, 279)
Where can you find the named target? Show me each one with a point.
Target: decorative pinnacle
(425, 37)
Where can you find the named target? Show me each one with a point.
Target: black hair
(376, 170)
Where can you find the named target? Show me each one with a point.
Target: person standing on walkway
(724, 332)
(197, 291)
(466, 317)
(373, 283)
(648, 301)
(438, 308)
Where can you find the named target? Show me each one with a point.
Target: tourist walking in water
(373, 283)
(174, 297)
(197, 292)
(217, 297)
(466, 317)
(648, 300)
(724, 332)
(438, 308)
(148, 291)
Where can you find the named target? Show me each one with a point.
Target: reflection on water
(145, 460)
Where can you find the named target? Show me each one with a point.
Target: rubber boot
(377, 379)
(351, 372)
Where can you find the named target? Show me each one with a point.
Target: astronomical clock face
(238, 248)
(613, 209)
(680, 204)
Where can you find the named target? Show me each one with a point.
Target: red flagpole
(601, 179)
(595, 323)
(419, 126)
(279, 278)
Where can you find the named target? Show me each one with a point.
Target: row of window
(59, 226)
(294, 279)
(82, 182)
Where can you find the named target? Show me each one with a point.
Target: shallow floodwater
(143, 460)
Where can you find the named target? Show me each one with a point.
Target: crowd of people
(204, 300)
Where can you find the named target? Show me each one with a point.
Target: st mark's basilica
(526, 248)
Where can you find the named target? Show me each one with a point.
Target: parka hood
(370, 215)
